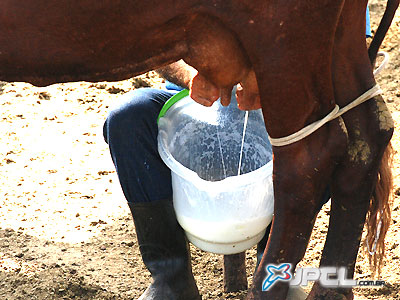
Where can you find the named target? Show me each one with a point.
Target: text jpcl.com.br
(327, 276)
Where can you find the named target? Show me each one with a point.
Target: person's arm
(178, 73)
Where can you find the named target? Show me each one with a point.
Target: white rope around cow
(336, 112)
(383, 63)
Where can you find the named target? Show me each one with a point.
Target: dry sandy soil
(65, 229)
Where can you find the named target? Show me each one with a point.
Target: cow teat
(217, 54)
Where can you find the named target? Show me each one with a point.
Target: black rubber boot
(165, 252)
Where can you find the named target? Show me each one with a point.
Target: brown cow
(305, 56)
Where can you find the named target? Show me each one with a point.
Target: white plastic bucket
(220, 211)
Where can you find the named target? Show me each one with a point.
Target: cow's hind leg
(369, 129)
(297, 194)
(235, 278)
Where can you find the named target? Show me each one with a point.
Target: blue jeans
(131, 133)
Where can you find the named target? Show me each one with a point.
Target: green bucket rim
(171, 101)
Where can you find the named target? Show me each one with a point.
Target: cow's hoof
(321, 293)
(296, 293)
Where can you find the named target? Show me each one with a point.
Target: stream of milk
(246, 117)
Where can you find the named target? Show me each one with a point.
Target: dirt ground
(65, 229)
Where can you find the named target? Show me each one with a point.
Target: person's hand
(206, 93)
(247, 93)
(202, 91)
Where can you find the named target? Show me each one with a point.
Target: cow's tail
(383, 27)
(379, 214)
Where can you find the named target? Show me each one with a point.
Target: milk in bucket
(220, 211)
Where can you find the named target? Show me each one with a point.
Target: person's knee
(136, 112)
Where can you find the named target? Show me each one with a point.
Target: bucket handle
(175, 98)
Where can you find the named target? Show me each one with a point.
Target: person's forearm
(178, 73)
